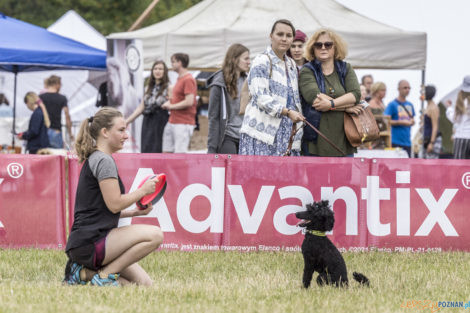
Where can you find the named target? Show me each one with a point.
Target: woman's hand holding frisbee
(154, 187)
(147, 210)
(149, 186)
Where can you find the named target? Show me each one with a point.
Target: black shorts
(91, 256)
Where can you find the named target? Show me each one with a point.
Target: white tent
(82, 100)
(206, 30)
(73, 26)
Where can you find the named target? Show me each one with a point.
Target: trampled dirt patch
(199, 140)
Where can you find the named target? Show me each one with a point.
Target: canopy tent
(73, 26)
(83, 89)
(26, 47)
(206, 30)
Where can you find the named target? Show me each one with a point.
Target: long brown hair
(90, 129)
(163, 82)
(460, 104)
(230, 68)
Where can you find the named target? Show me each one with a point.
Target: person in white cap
(460, 116)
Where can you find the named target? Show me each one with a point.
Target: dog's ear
(324, 204)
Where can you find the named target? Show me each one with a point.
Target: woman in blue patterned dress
(275, 102)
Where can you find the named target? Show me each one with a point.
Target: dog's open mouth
(303, 223)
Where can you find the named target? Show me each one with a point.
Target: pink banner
(32, 201)
(265, 192)
(418, 205)
(180, 224)
(248, 203)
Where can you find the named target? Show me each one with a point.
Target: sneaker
(74, 275)
(111, 280)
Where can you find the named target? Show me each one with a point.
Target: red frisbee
(160, 188)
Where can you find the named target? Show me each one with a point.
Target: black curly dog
(319, 253)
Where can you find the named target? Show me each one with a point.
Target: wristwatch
(332, 104)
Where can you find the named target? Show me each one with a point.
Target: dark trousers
(152, 131)
(229, 145)
(304, 148)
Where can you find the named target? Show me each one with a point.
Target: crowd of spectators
(297, 78)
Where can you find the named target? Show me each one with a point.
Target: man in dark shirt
(55, 103)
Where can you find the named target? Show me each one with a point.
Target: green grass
(30, 281)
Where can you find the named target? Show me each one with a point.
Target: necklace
(331, 90)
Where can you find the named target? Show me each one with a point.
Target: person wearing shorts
(98, 251)
(182, 107)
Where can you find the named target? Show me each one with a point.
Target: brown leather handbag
(360, 128)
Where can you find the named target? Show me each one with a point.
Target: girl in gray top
(224, 101)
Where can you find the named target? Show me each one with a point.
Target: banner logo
(15, 170)
(466, 180)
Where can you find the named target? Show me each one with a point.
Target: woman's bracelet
(332, 103)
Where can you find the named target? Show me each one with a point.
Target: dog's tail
(361, 278)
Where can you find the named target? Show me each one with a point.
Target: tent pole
(143, 16)
(423, 81)
(423, 76)
(13, 132)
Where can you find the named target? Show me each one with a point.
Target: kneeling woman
(98, 250)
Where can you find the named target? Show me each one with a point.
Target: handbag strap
(324, 137)
(291, 138)
(295, 130)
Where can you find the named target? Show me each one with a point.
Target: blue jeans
(55, 138)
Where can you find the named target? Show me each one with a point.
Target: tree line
(107, 16)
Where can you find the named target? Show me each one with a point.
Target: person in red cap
(296, 50)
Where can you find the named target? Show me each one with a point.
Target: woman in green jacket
(329, 87)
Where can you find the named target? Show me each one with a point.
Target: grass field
(30, 281)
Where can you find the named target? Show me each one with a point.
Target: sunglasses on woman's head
(328, 45)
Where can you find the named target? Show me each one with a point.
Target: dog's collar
(316, 233)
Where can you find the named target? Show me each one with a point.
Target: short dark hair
(181, 57)
(366, 76)
(429, 92)
(286, 22)
(53, 80)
